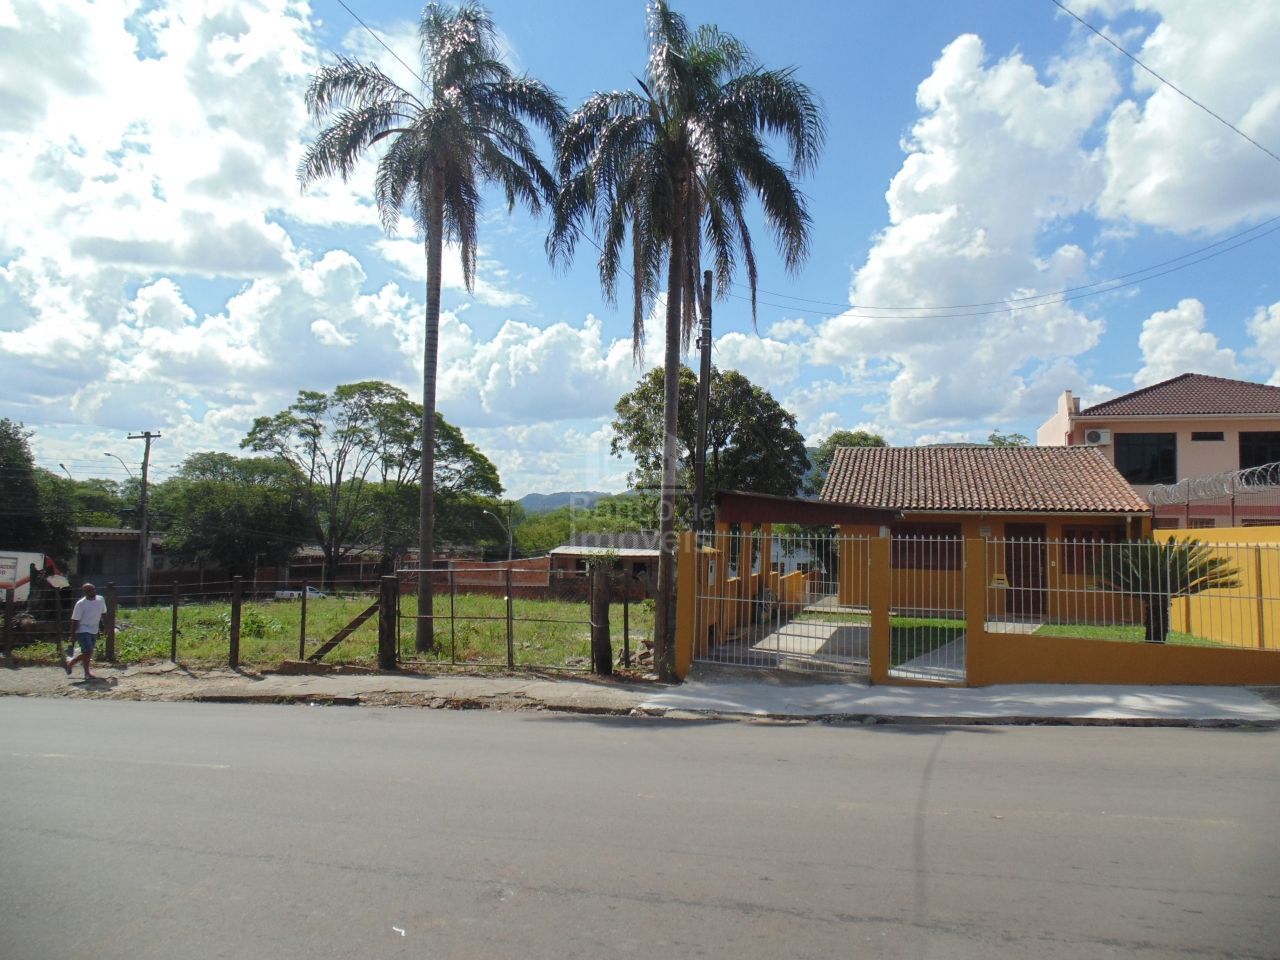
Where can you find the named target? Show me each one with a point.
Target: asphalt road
(198, 830)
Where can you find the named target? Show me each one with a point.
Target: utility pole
(144, 538)
(704, 393)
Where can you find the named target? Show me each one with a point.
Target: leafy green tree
(827, 450)
(466, 128)
(232, 513)
(674, 164)
(1156, 573)
(355, 456)
(541, 532)
(21, 505)
(66, 504)
(752, 442)
(997, 439)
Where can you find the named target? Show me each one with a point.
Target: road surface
(163, 830)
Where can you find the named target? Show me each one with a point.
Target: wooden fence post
(626, 621)
(113, 604)
(388, 619)
(8, 622)
(173, 628)
(601, 648)
(511, 646)
(57, 621)
(302, 624)
(237, 597)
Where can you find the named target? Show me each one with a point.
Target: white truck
(312, 594)
(15, 572)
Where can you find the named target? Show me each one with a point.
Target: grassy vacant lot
(269, 631)
(1124, 633)
(909, 637)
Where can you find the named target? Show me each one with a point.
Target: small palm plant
(1156, 573)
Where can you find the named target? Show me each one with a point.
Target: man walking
(85, 619)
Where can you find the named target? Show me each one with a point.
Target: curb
(876, 719)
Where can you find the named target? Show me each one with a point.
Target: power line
(414, 73)
(1017, 307)
(1102, 285)
(1168, 83)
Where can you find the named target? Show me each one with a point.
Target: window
(1259, 447)
(1201, 523)
(926, 546)
(1146, 458)
(1165, 523)
(1080, 545)
(1206, 435)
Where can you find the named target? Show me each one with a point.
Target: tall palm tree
(465, 128)
(675, 164)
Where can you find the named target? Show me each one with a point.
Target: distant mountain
(546, 502)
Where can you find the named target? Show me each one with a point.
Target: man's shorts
(86, 641)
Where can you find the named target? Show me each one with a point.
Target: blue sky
(159, 268)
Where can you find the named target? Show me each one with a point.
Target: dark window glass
(926, 546)
(1147, 457)
(1206, 435)
(1259, 447)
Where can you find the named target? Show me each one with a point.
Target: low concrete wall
(1018, 658)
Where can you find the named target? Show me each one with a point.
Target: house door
(1024, 563)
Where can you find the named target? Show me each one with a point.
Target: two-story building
(1169, 438)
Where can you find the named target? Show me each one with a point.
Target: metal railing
(783, 601)
(1179, 592)
(926, 604)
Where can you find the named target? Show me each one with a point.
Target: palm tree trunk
(424, 641)
(664, 619)
(1156, 619)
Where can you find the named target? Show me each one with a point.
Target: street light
(66, 471)
(122, 463)
(505, 526)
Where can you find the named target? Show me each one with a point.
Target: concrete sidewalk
(729, 694)
(1047, 703)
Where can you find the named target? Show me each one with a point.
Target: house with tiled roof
(1191, 426)
(1038, 507)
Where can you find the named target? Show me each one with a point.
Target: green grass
(269, 631)
(1123, 633)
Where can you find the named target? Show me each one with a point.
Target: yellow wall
(994, 658)
(1015, 658)
(1248, 615)
(1067, 597)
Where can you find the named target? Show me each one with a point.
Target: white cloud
(1264, 328)
(770, 363)
(409, 258)
(790, 329)
(527, 374)
(1176, 341)
(995, 159)
(1168, 163)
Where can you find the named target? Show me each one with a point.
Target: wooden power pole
(144, 537)
(704, 393)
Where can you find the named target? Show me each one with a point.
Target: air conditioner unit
(1097, 438)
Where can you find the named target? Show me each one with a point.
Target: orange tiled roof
(1189, 395)
(980, 479)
